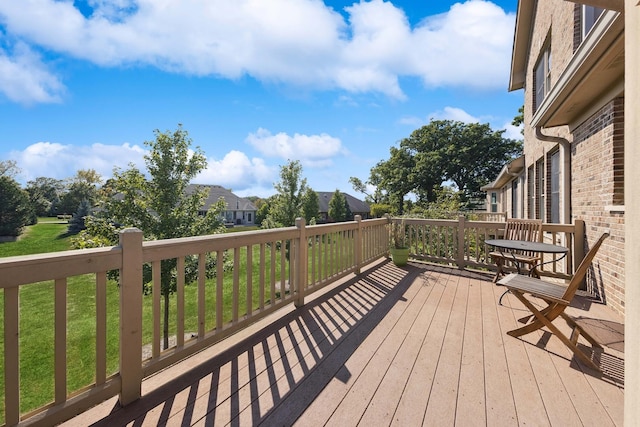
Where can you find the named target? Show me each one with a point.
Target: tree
(474, 154)
(44, 195)
(77, 221)
(263, 211)
(15, 210)
(519, 119)
(310, 206)
(393, 177)
(159, 206)
(469, 155)
(83, 186)
(9, 168)
(339, 210)
(287, 203)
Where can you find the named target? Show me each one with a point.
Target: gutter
(566, 155)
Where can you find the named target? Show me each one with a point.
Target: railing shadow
(272, 376)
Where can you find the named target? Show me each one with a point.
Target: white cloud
(301, 43)
(25, 79)
(469, 46)
(512, 132)
(311, 150)
(55, 160)
(453, 113)
(238, 172)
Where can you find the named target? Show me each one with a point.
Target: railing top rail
(25, 269)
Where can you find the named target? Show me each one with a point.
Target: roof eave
(521, 42)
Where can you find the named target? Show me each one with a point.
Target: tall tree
(392, 176)
(338, 207)
(287, 202)
(159, 206)
(44, 194)
(15, 210)
(310, 206)
(473, 155)
(469, 155)
(83, 186)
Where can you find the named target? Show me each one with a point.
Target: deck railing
(241, 277)
(461, 243)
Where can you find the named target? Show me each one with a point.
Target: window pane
(555, 188)
(590, 15)
(514, 199)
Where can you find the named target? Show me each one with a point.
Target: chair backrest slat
(581, 271)
(523, 229)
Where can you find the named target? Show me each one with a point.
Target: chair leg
(577, 330)
(499, 263)
(540, 318)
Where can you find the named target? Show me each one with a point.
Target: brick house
(570, 60)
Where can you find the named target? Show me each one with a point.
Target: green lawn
(46, 236)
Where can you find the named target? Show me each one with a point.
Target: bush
(76, 223)
(15, 209)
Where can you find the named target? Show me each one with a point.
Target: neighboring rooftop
(216, 192)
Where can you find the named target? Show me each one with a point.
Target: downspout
(566, 154)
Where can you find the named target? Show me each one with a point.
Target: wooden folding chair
(558, 297)
(519, 229)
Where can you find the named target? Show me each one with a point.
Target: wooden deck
(419, 345)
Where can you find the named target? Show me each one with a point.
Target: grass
(46, 236)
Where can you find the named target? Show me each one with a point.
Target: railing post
(131, 315)
(301, 261)
(358, 243)
(460, 239)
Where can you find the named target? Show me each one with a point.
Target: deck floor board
(419, 345)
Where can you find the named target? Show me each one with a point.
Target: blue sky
(333, 84)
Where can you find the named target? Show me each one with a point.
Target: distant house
(239, 211)
(357, 207)
(502, 193)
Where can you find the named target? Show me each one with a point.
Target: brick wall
(597, 192)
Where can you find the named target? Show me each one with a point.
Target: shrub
(15, 210)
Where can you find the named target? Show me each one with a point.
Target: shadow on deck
(405, 346)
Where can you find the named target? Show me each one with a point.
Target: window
(542, 78)
(554, 184)
(590, 15)
(514, 199)
(531, 194)
(494, 202)
(540, 208)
